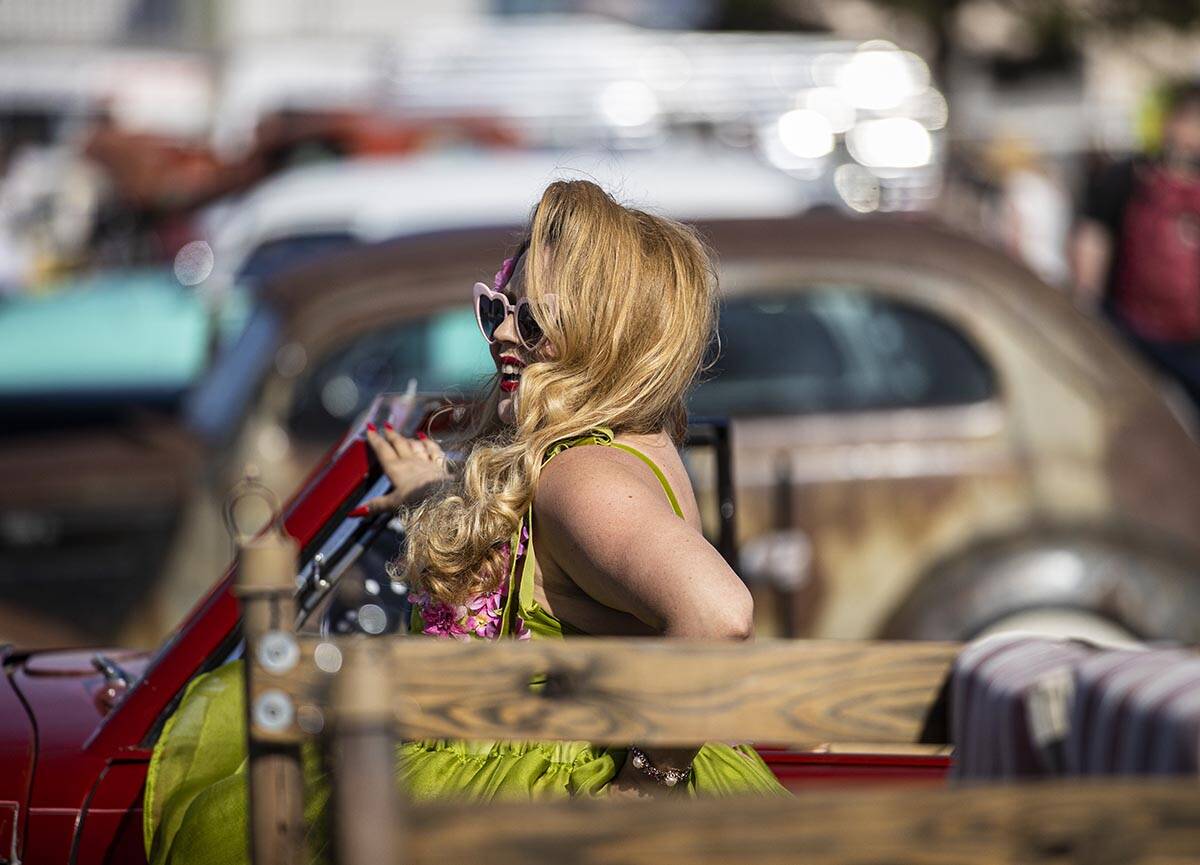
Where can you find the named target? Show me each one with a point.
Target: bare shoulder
(607, 528)
(584, 479)
(603, 521)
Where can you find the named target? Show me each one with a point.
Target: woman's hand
(414, 466)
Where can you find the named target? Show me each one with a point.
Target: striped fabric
(1024, 706)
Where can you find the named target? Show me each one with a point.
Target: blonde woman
(598, 326)
(575, 515)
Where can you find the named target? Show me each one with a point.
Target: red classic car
(77, 728)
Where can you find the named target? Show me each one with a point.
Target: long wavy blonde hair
(634, 311)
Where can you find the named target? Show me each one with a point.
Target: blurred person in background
(1135, 252)
(1033, 213)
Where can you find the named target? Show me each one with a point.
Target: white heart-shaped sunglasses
(492, 307)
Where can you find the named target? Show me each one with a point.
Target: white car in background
(311, 210)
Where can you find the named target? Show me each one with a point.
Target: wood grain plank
(655, 692)
(1122, 823)
(275, 780)
(369, 816)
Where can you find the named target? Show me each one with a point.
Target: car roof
(379, 198)
(124, 329)
(428, 273)
(901, 241)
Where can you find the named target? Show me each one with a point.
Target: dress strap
(507, 614)
(658, 473)
(596, 436)
(604, 436)
(528, 566)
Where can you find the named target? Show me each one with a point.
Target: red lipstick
(510, 381)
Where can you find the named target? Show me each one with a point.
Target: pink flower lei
(479, 618)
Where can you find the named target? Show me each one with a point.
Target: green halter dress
(195, 802)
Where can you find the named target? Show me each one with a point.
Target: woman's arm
(605, 520)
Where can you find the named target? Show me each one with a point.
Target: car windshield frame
(207, 635)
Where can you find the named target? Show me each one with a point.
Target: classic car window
(836, 348)
(442, 352)
(284, 253)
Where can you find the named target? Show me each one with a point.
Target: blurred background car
(870, 367)
(313, 210)
(93, 373)
(225, 227)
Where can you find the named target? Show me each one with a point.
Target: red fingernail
(372, 428)
(388, 426)
(421, 435)
(360, 511)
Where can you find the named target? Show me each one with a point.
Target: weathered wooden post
(266, 584)
(368, 814)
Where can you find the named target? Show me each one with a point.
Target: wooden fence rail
(1042, 824)
(656, 692)
(361, 696)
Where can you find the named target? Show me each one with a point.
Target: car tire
(1095, 583)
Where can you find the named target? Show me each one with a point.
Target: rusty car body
(928, 441)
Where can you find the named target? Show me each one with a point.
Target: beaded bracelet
(666, 777)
